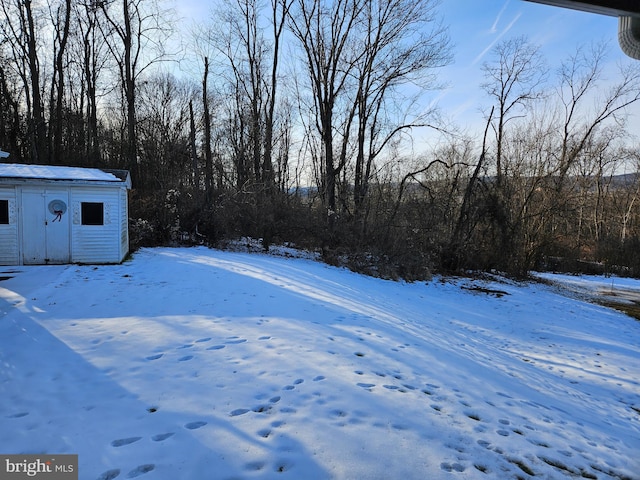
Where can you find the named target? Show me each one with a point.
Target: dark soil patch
(488, 291)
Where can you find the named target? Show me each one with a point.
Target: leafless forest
(309, 122)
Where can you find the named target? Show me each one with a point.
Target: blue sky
(476, 26)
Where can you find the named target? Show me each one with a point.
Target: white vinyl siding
(9, 243)
(124, 223)
(96, 243)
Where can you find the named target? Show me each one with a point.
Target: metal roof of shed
(51, 172)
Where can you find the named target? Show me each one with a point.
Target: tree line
(302, 121)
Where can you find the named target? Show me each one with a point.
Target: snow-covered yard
(204, 364)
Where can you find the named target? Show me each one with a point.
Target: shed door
(45, 228)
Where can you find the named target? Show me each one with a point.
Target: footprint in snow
(484, 443)
(399, 426)
(141, 470)
(367, 386)
(451, 467)
(18, 415)
(155, 357)
(125, 441)
(319, 378)
(283, 466)
(238, 411)
(109, 474)
(236, 342)
(473, 416)
(216, 347)
(540, 443)
(162, 436)
(255, 466)
(185, 358)
(195, 425)
(262, 408)
(202, 340)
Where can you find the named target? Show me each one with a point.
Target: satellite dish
(57, 207)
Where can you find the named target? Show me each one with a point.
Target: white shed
(57, 215)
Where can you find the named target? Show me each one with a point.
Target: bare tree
(360, 58)
(193, 150)
(327, 34)
(252, 56)
(554, 160)
(590, 125)
(92, 57)
(589, 103)
(61, 19)
(164, 130)
(245, 52)
(630, 197)
(207, 131)
(135, 33)
(280, 13)
(10, 121)
(20, 30)
(514, 79)
(403, 44)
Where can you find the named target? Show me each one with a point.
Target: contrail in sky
(495, 40)
(494, 27)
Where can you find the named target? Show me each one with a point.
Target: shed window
(4, 212)
(92, 213)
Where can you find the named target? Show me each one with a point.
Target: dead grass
(631, 309)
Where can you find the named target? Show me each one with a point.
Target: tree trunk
(208, 162)
(37, 128)
(194, 151)
(58, 86)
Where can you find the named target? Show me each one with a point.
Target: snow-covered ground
(599, 288)
(204, 364)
